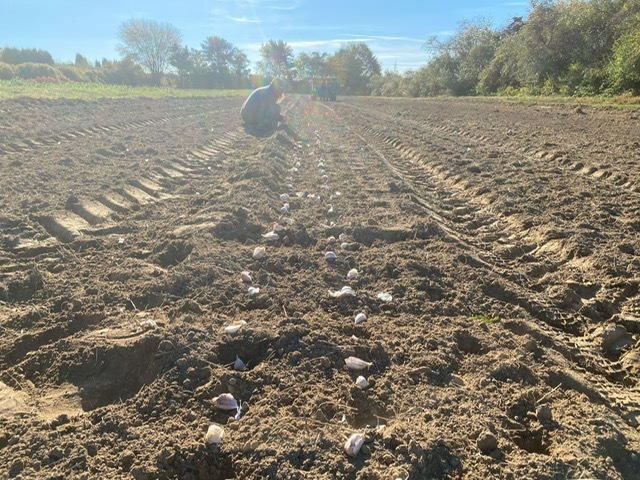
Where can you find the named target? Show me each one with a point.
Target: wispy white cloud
(382, 37)
(327, 42)
(283, 7)
(244, 19)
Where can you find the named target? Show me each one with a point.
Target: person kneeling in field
(261, 110)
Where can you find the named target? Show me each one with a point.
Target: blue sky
(394, 30)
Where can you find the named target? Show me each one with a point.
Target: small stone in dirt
(543, 414)
(127, 459)
(192, 306)
(56, 268)
(393, 187)
(241, 212)
(60, 420)
(487, 442)
(166, 346)
(388, 459)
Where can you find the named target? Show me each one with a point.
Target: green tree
(277, 59)
(459, 61)
(16, 56)
(81, 61)
(312, 65)
(227, 63)
(354, 65)
(149, 44)
(624, 68)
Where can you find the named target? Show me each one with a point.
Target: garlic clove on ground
(246, 277)
(355, 363)
(361, 382)
(354, 444)
(271, 236)
(352, 274)
(235, 326)
(225, 401)
(385, 297)
(239, 365)
(361, 317)
(214, 434)
(259, 253)
(253, 291)
(343, 292)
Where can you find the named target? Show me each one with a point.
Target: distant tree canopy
(568, 47)
(354, 65)
(149, 44)
(276, 59)
(15, 56)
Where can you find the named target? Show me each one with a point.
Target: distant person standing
(261, 110)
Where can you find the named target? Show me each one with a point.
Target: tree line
(152, 53)
(566, 47)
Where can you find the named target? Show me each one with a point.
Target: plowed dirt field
(507, 237)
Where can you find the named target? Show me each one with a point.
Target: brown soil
(508, 236)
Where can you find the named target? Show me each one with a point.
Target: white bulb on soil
(225, 401)
(361, 317)
(355, 363)
(271, 236)
(239, 365)
(214, 434)
(345, 291)
(354, 444)
(385, 297)
(235, 326)
(329, 256)
(361, 382)
(253, 291)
